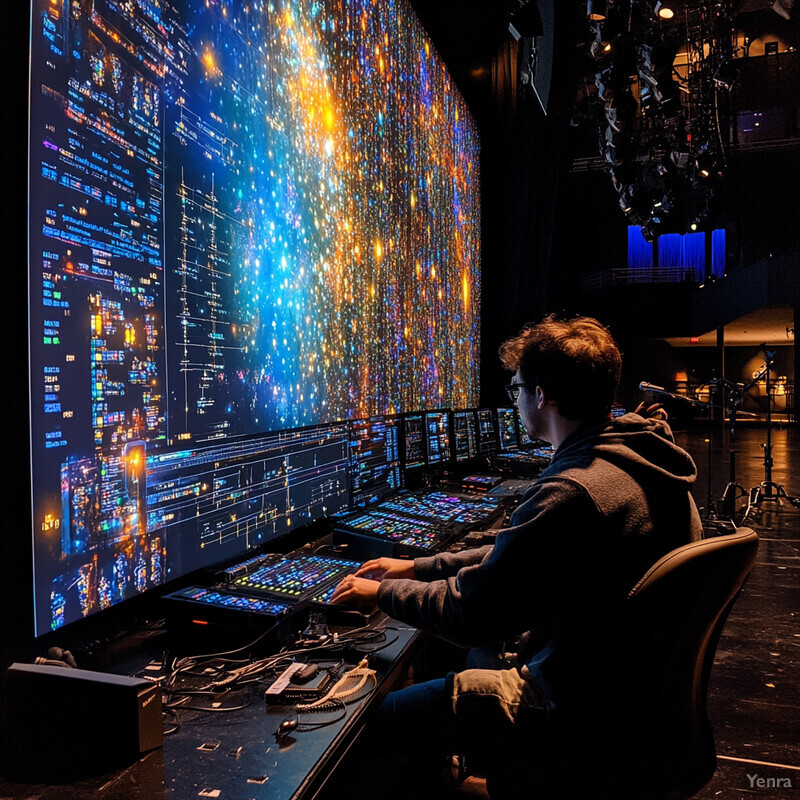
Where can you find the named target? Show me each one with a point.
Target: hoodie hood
(644, 448)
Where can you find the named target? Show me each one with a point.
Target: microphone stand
(648, 387)
(729, 495)
(767, 490)
(733, 490)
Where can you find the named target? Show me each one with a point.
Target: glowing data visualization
(244, 218)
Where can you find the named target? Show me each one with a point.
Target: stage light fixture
(705, 164)
(667, 169)
(601, 45)
(666, 9)
(646, 96)
(596, 9)
(654, 66)
(680, 159)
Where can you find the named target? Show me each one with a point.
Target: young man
(614, 499)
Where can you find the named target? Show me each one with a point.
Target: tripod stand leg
(767, 491)
(779, 490)
(729, 497)
(753, 503)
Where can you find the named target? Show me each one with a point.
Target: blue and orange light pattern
(245, 217)
(331, 190)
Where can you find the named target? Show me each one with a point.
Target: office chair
(679, 609)
(648, 736)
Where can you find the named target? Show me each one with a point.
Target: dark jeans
(406, 749)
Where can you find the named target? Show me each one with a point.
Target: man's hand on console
(380, 568)
(356, 591)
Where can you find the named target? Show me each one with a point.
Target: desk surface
(235, 755)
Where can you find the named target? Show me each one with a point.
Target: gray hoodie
(614, 499)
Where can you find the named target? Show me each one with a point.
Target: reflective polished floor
(754, 696)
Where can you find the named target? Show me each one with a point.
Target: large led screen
(244, 218)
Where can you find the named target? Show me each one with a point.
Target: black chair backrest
(671, 627)
(641, 731)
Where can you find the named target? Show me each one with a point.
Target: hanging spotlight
(596, 9)
(601, 45)
(706, 164)
(649, 137)
(666, 9)
(655, 62)
(680, 158)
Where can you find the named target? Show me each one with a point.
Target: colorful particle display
(244, 218)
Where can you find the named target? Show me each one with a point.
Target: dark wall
(765, 203)
(16, 597)
(544, 227)
(525, 179)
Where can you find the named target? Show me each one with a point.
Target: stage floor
(754, 699)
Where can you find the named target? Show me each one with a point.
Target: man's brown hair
(576, 362)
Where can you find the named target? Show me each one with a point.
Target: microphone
(644, 386)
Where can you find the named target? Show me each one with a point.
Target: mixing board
(266, 588)
(480, 484)
(446, 508)
(394, 528)
(220, 598)
(530, 461)
(417, 523)
(511, 487)
(293, 578)
(543, 451)
(324, 597)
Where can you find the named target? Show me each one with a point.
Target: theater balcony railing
(639, 275)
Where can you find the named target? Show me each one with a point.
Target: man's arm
(361, 588)
(533, 570)
(445, 565)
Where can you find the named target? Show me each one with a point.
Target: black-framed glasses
(513, 390)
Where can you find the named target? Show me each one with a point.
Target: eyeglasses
(513, 390)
